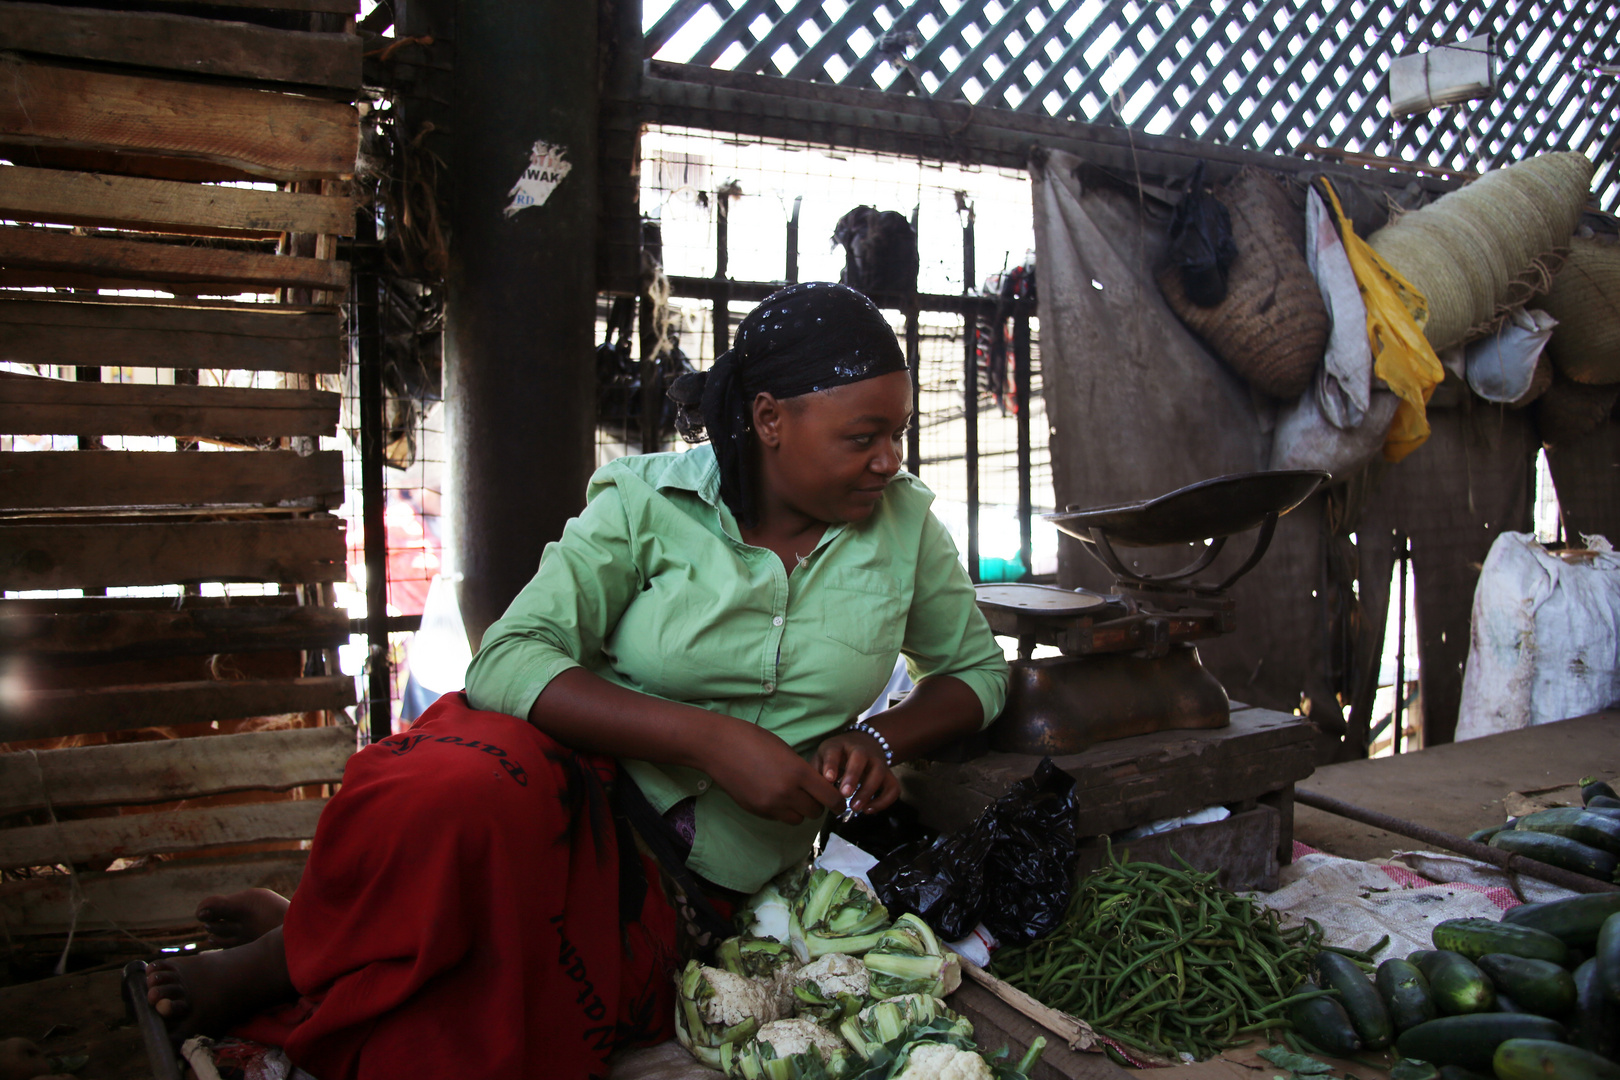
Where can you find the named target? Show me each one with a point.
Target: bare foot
(208, 993)
(239, 918)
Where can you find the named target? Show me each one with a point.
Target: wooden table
(1250, 764)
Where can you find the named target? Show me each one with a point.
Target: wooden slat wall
(244, 338)
(151, 898)
(120, 123)
(34, 406)
(172, 769)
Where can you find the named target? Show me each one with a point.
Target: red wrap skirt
(461, 915)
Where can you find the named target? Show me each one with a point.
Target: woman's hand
(854, 762)
(765, 777)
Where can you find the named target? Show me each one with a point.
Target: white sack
(1500, 368)
(1545, 639)
(1340, 422)
(1343, 387)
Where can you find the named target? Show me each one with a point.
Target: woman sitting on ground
(488, 897)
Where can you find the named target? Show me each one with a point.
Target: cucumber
(1592, 788)
(1457, 984)
(1483, 836)
(1537, 986)
(1542, 1059)
(1419, 958)
(1358, 996)
(1505, 1004)
(1575, 921)
(1476, 937)
(1596, 830)
(1470, 1041)
(1558, 851)
(1595, 1023)
(1607, 802)
(1457, 1072)
(1607, 958)
(1324, 1022)
(1405, 992)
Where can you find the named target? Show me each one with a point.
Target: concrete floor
(1458, 787)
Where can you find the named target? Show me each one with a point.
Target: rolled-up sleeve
(565, 613)
(946, 633)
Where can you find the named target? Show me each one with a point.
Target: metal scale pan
(1130, 665)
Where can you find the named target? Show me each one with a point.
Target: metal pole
(1021, 396)
(722, 292)
(1512, 863)
(793, 242)
(373, 497)
(970, 400)
(914, 361)
(1402, 545)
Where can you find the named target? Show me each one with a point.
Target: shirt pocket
(863, 609)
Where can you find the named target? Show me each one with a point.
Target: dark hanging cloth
(802, 339)
(1201, 243)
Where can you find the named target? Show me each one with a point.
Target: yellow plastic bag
(1402, 356)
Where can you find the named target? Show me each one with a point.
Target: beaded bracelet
(867, 729)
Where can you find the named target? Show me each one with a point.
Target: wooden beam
(758, 105)
(108, 636)
(129, 835)
(168, 769)
(66, 556)
(261, 133)
(155, 897)
(54, 249)
(72, 479)
(183, 43)
(49, 714)
(36, 406)
(336, 7)
(65, 197)
(245, 338)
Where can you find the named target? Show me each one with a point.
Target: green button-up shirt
(651, 587)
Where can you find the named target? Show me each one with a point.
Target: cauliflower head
(937, 1061)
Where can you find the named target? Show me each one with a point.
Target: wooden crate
(166, 748)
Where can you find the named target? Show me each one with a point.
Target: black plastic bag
(1012, 870)
(1201, 243)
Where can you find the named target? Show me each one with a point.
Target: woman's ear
(768, 414)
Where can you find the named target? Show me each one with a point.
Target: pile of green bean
(1165, 961)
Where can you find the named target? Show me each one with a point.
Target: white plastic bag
(1545, 642)
(1500, 368)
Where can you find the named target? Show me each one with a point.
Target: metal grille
(1279, 76)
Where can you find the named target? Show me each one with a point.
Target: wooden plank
(183, 43)
(244, 338)
(110, 636)
(170, 769)
(1136, 780)
(135, 260)
(36, 406)
(63, 479)
(275, 136)
(65, 197)
(58, 556)
(47, 714)
(158, 897)
(338, 7)
(129, 835)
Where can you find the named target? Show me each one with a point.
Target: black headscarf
(799, 340)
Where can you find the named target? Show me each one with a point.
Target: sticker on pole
(545, 171)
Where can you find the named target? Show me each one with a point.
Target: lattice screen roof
(1270, 75)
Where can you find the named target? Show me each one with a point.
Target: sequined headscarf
(801, 339)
